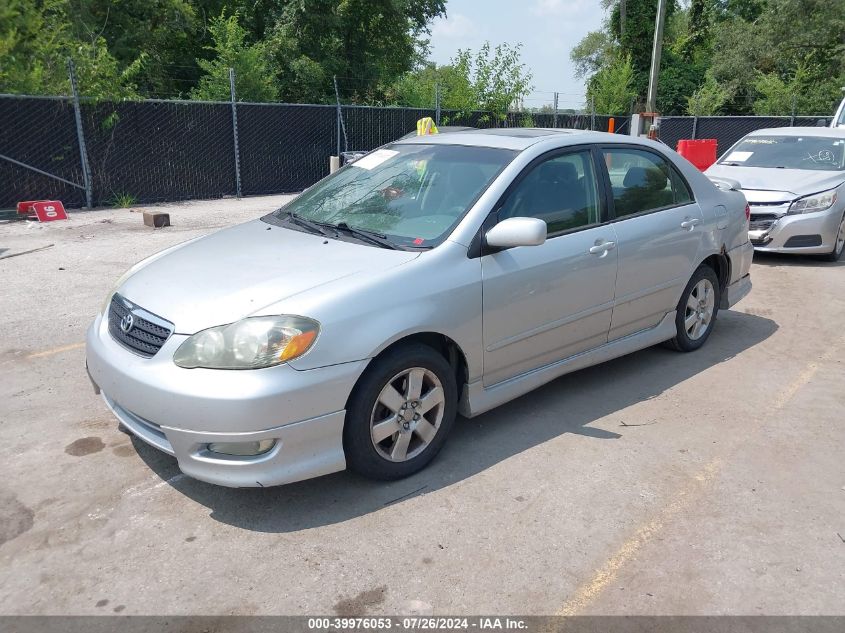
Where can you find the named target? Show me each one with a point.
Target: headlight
(252, 343)
(816, 202)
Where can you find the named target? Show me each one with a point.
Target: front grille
(146, 332)
(777, 203)
(761, 222)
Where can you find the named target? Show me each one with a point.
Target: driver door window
(562, 191)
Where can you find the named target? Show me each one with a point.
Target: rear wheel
(696, 311)
(400, 413)
(839, 244)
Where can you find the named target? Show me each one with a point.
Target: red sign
(49, 210)
(26, 206)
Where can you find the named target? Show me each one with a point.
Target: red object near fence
(25, 207)
(49, 210)
(700, 152)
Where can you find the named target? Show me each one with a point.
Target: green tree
(167, 34)
(638, 37)
(709, 98)
(768, 58)
(679, 78)
(254, 79)
(36, 40)
(491, 79)
(747, 10)
(498, 77)
(803, 93)
(596, 50)
(367, 44)
(611, 89)
(695, 37)
(417, 89)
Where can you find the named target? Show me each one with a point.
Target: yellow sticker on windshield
(375, 159)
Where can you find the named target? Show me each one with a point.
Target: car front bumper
(810, 233)
(181, 411)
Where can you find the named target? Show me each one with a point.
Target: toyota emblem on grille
(127, 322)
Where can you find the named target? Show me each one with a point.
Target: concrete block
(156, 219)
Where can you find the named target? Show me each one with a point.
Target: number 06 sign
(49, 210)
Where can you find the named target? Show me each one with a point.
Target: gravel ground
(659, 483)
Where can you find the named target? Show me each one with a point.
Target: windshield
(411, 194)
(788, 152)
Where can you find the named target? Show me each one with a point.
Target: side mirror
(517, 232)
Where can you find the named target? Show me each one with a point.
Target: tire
(700, 299)
(408, 376)
(838, 244)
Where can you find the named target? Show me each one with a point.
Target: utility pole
(651, 102)
(554, 124)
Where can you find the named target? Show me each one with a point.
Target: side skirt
(477, 399)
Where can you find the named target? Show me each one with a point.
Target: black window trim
(478, 247)
(611, 203)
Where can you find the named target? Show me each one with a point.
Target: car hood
(798, 182)
(234, 273)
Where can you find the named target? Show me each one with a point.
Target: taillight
(747, 211)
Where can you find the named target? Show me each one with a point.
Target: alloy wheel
(407, 414)
(701, 304)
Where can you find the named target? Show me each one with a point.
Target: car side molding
(477, 399)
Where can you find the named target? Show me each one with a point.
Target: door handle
(601, 249)
(689, 225)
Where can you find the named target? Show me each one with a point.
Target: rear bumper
(739, 283)
(735, 292)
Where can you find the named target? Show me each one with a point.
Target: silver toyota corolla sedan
(794, 180)
(434, 276)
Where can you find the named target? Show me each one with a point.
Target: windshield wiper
(314, 227)
(369, 236)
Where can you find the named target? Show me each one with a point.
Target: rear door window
(642, 181)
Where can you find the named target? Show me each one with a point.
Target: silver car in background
(434, 276)
(794, 180)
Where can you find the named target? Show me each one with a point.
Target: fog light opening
(242, 449)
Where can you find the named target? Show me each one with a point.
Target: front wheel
(839, 243)
(400, 413)
(697, 310)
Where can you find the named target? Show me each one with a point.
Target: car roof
(828, 132)
(516, 138)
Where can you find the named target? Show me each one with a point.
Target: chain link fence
(161, 150)
(41, 134)
(727, 130)
(155, 150)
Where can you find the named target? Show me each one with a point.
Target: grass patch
(123, 200)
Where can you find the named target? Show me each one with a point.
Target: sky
(547, 29)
